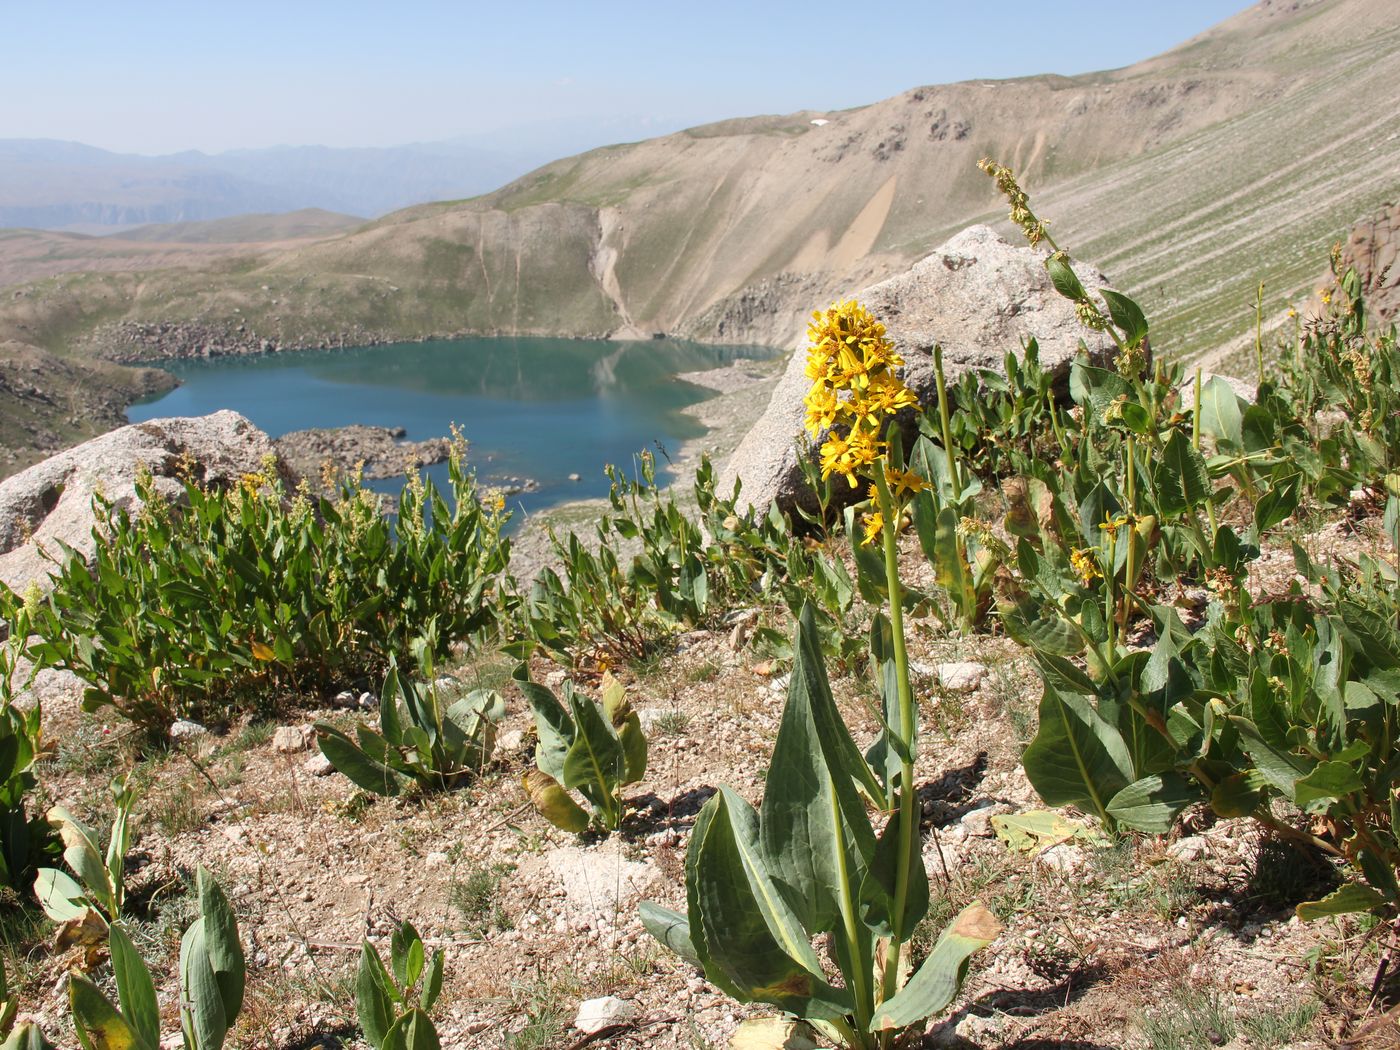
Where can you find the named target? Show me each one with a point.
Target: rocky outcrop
(1373, 247)
(380, 451)
(978, 296)
(51, 502)
(129, 342)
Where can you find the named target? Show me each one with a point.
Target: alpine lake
(541, 409)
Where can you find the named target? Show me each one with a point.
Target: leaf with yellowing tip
(263, 653)
(936, 983)
(554, 802)
(98, 1024)
(773, 1033)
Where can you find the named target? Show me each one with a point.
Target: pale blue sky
(150, 77)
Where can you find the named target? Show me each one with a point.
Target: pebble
(1193, 847)
(184, 729)
(594, 1015)
(435, 859)
(290, 739)
(511, 740)
(1063, 857)
(318, 765)
(962, 676)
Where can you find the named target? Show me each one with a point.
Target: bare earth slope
(1188, 178)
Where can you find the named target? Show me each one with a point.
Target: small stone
(978, 822)
(435, 859)
(368, 702)
(594, 1015)
(779, 684)
(183, 729)
(1193, 847)
(511, 740)
(961, 677)
(1063, 857)
(344, 699)
(318, 765)
(574, 477)
(291, 739)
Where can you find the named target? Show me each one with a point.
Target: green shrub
(253, 592)
(26, 839)
(422, 740)
(391, 1002)
(594, 749)
(1292, 699)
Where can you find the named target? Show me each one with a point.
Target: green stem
(1110, 602)
(1259, 333)
(967, 602)
(861, 994)
(907, 814)
(1130, 577)
(945, 423)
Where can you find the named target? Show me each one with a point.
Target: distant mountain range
(51, 185)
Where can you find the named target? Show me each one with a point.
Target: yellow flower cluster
(1085, 565)
(851, 362)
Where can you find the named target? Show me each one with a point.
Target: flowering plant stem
(967, 601)
(906, 812)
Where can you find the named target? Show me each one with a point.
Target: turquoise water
(536, 408)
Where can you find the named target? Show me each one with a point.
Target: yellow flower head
(1082, 561)
(874, 523)
(823, 408)
(904, 483)
(850, 352)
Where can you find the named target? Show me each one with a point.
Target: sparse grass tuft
(476, 898)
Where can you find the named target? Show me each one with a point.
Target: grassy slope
(242, 229)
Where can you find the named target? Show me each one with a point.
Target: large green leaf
(1221, 413)
(221, 943)
(1076, 758)
(817, 839)
(553, 728)
(595, 758)
(413, 1031)
(1181, 480)
(1328, 781)
(935, 984)
(135, 988)
(96, 1021)
(1344, 900)
(669, 927)
(201, 1003)
(362, 770)
(1040, 631)
(1153, 803)
(374, 996)
(747, 937)
(1279, 767)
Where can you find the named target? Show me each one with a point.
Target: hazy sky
(153, 77)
